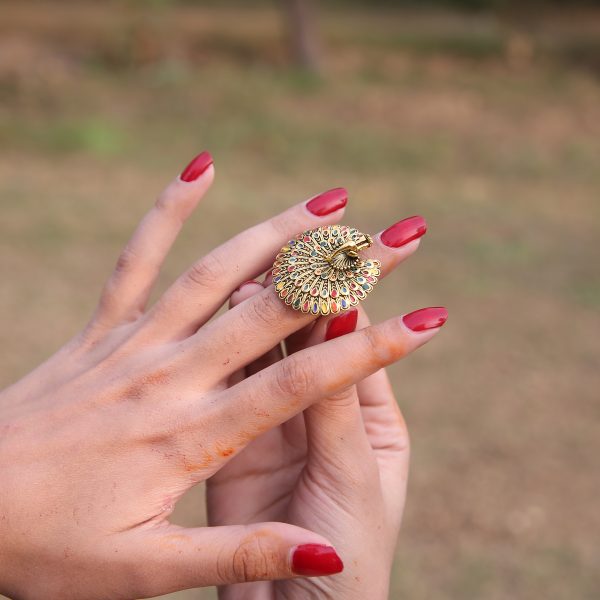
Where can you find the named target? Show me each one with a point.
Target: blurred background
(481, 115)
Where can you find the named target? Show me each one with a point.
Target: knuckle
(143, 385)
(126, 264)
(252, 560)
(126, 260)
(165, 200)
(263, 310)
(169, 206)
(399, 432)
(294, 377)
(206, 272)
(382, 347)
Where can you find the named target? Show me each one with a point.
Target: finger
(174, 558)
(294, 428)
(257, 325)
(266, 360)
(272, 355)
(381, 415)
(399, 240)
(274, 395)
(126, 292)
(383, 421)
(268, 279)
(387, 434)
(391, 247)
(297, 340)
(402, 238)
(245, 291)
(199, 292)
(368, 411)
(337, 441)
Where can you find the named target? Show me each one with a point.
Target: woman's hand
(339, 469)
(99, 443)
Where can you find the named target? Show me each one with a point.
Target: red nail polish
(345, 323)
(404, 231)
(426, 318)
(196, 167)
(328, 202)
(316, 559)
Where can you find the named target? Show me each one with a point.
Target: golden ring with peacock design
(320, 271)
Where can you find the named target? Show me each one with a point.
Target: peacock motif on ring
(321, 272)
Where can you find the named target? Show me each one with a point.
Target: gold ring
(320, 270)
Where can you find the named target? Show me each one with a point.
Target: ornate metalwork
(321, 272)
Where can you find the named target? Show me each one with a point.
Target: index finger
(206, 285)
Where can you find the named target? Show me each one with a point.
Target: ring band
(320, 270)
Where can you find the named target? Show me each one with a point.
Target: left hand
(99, 443)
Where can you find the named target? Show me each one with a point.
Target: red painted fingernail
(246, 283)
(345, 323)
(316, 559)
(197, 167)
(404, 231)
(426, 318)
(328, 202)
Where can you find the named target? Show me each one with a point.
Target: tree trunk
(304, 41)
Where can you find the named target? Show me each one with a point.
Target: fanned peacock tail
(320, 271)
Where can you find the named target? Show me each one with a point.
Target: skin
(99, 443)
(339, 468)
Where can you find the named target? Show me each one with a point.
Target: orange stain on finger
(191, 467)
(223, 450)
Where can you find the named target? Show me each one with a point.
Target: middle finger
(254, 327)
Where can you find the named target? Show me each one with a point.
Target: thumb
(173, 558)
(335, 430)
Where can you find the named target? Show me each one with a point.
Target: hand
(99, 443)
(340, 469)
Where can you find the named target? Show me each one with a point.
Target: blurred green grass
(502, 158)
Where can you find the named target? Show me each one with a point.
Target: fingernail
(404, 231)
(426, 318)
(328, 202)
(196, 167)
(345, 323)
(316, 559)
(246, 283)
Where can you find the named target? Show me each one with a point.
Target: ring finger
(254, 327)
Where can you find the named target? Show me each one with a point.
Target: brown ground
(499, 150)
